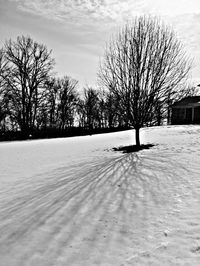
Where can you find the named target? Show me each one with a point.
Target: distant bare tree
(28, 66)
(90, 109)
(4, 111)
(91, 102)
(67, 100)
(59, 108)
(112, 113)
(143, 64)
(52, 85)
(3, 69)
(81, 112)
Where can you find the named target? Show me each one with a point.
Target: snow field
(74, 201)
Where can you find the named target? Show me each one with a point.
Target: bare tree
(143, 64)
(58, 110)
(29, 64)
(113, 117)
(51, 103)
(3, 69)
(91, 102)
(4, 100)
(81, 112)
(67, 99)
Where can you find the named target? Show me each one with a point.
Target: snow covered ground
(74, 201)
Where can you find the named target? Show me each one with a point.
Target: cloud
(174, 7)
(105, 9)
(187, 27)
(90, 22)
(102, 15)
(82, 11)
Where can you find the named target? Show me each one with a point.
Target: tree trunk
(137, 136)
(168, 115)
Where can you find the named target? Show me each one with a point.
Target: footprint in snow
(196, 249)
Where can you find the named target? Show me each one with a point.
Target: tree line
(33, 100)
(143, 72)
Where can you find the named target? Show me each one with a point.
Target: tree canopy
(143, 66)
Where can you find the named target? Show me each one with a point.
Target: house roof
(187, 101)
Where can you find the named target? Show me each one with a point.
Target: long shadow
(121, 187)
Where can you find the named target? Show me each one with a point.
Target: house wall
(185, 115)
(178, 116)
(197, 115)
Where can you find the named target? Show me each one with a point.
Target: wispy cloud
(174, 7)
(83, 11)
(93, 15)
(91, 21)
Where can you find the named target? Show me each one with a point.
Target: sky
(77, 30)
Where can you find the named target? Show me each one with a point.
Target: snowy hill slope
(76, 202)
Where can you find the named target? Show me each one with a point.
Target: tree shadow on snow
(133, 148)
(114, 195)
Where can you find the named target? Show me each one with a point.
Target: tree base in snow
(133, 148)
